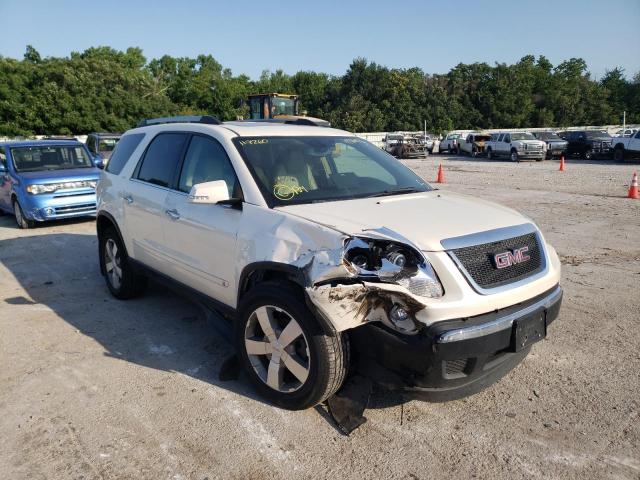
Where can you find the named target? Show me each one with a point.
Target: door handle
(173, 214)
(128, 198)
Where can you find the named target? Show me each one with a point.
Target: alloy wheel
(112, 263)
(277, 348)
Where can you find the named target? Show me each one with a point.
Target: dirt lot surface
(92, 387)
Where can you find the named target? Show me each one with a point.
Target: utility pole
(624, 122)
(425, 139)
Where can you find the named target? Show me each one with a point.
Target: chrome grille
(478, 261)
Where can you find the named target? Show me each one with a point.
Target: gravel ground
(91, 387)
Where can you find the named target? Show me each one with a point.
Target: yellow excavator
(280, 107)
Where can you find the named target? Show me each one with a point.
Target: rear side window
(161, 159)
(123, 151)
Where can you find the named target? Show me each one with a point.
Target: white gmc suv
(325, 255)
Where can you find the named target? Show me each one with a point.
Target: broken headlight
(391, 262)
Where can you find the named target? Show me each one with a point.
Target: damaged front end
(375, 277)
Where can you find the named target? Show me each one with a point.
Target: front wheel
(288, 356)
(22, 221)
(514, 156)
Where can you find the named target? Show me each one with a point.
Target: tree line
(102, 89)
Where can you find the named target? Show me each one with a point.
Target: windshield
(597, 134)
(547, 136)
(294, 170)
(282, 106)
(107, 144)
(522, 136)
(54, 157)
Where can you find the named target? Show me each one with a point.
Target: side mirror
(3, 168)
(211, 193)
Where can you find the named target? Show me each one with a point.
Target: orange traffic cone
(633, 188)
(561, 169)
(440, 178)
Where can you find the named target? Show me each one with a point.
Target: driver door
(200, 239)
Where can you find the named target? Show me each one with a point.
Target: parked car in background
(589, 143)
(515, 145)
(629, 132)
(474, 143)
(450, 143)
(625, 148)
(554, 145)
(325, 256)
(46, 180)
(405, 146)
(101, 146)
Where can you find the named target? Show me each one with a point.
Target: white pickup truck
(626, 147)
(516, 146)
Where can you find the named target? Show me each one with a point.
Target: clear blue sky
(325, 35)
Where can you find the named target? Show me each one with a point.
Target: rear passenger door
(144, 202)
(201, 238)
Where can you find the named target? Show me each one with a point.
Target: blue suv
(44, 180)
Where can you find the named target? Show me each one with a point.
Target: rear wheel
(288, 356)
(618, 154)
(587, 155)
(122, 279)
(489, 154)
(22, 221)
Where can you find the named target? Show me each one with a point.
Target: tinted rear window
(161, 159)
(122, 152)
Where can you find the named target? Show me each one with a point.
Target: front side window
(507, 139)
(161, 159)
(206, 161)
(295, 170)
(49, 157)
(3, 158)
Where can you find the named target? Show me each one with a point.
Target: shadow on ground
(160, 330)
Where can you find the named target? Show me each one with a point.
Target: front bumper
(452, 358)
(56, 207)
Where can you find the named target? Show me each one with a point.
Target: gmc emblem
(513, 257)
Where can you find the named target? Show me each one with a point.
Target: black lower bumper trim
(475, 355)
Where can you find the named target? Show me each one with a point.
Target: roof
(39, 143)
(105, 134)
(248, 129)
(251, 129)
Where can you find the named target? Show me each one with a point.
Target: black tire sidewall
(131, 284)
(285, 298)
(26, 223)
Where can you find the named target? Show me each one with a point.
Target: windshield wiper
(399, 191)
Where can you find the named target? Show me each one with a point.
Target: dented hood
(423, 218)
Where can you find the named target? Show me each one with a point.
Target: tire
(489, 154)
(320, 359)
(23, 222)
(113, 259)
(587, 155)
(514, 156)
(618, 154)
(474, 152)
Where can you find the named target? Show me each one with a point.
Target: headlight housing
(37, 189)
(391, 262)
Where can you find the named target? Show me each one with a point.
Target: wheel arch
(258, 272)
(104, 221)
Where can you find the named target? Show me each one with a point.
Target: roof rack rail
(206, 119)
